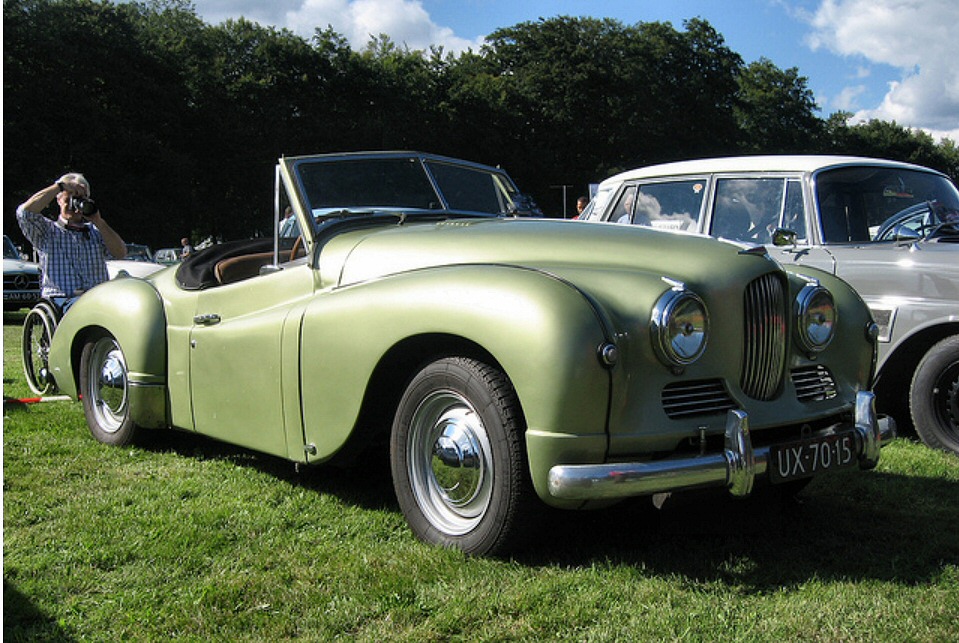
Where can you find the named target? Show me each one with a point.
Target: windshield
(366, 184)
(340, 186)
(138, 252)
(860, 204)
(466, 188)
(9, 250)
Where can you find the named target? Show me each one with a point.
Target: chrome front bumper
(736, 468)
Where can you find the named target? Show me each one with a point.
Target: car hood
(552, 245)
(16, 265)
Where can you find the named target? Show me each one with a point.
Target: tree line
(178, 123)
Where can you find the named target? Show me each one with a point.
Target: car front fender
(543, 332)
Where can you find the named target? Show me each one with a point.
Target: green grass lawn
(191, 539)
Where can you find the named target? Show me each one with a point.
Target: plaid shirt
(72, 261)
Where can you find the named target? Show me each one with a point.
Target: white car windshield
(9, 250)
(872, 203)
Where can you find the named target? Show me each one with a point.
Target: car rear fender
(131, 311)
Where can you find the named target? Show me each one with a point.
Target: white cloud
(914, 36)
(265, 13)
(406, 22)
(848, 98)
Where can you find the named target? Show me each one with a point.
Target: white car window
(748, 209)
(670, 205)
(667, 205)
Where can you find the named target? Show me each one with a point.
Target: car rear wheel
(457, 457)
(105, 390)
(934, 396)
(38, 328)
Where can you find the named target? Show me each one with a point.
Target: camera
(83, 205)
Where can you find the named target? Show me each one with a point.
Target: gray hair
(77, 178)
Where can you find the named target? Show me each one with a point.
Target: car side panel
(243, 363)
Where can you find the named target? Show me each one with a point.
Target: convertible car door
(244, 360)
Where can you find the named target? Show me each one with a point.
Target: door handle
(208, 319)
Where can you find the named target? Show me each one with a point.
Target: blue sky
(887, 59)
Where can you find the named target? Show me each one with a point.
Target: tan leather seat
(235, 269)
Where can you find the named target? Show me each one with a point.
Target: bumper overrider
(736, 468)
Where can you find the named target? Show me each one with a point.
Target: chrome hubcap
(450, 462)
(108, 378)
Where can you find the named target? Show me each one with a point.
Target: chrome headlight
(816, 313)
(680, 326)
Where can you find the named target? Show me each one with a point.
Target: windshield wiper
(345, 212)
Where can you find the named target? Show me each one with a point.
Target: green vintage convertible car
(503, 361)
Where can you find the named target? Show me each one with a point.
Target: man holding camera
(73, 249)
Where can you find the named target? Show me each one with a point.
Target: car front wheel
(934, 396)
(457, 458)
(105, 390)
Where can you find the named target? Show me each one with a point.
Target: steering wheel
(297, 246)
(918, 213)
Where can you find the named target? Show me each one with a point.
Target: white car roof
(769, 163)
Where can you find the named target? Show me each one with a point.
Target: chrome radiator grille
(764, 341)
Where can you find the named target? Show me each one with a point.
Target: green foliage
(776, 110)
(890, 140)
(94, 93)
(185, 538)
(590, 95)
(178, 123)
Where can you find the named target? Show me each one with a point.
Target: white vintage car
(138, 263)
(890, 229)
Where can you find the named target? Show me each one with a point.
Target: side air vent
(687, 399)
(814, 383)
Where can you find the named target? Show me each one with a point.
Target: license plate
(20, 296)
(805, 458)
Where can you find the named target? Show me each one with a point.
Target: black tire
(934, 396)
(458, 460)
(105, 390)
(38, 328)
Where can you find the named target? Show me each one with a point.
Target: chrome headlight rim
(809, 317)
(663, 328)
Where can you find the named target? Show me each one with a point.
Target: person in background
(73, 249)
(581, 204)
(185, 248)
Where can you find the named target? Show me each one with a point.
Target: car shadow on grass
(850, 525)
(854, 526)
(24, 621)
(366, 484)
